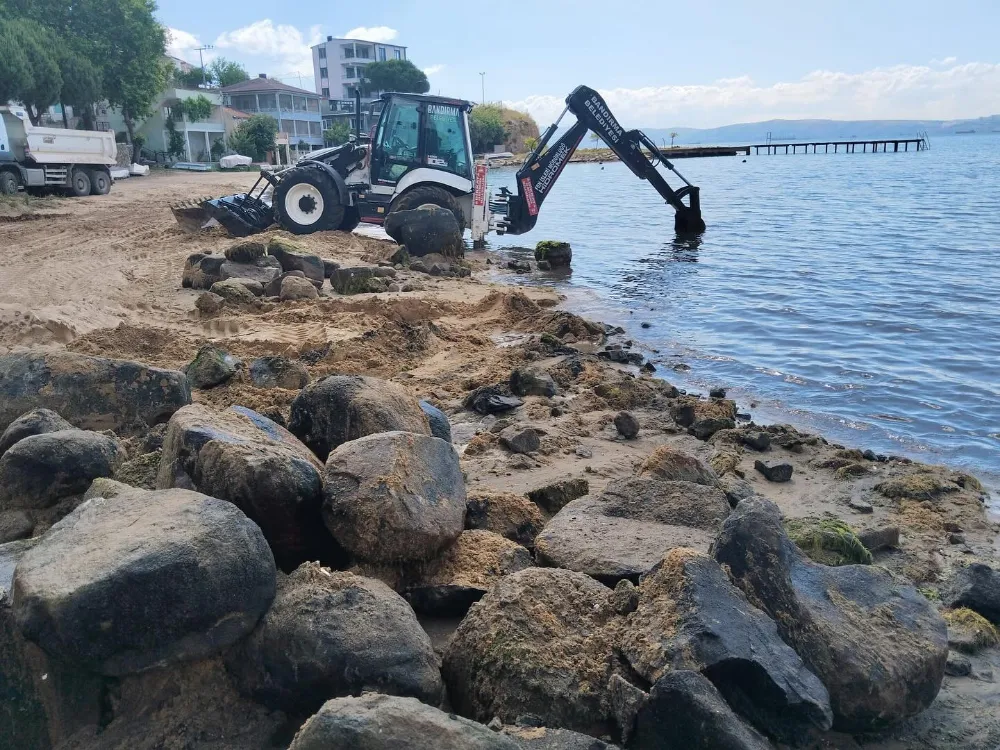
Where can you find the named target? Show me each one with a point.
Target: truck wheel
(8, 183)
(79, 183)
(100, 182)
(352, 217)
(422, 194)
(306, 201)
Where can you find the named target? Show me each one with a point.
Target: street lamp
(482, 79)
(201, 59)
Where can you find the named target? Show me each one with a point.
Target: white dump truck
(32, 158)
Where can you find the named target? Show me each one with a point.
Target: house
(296, 110)
(339, 67)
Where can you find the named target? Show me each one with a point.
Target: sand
(101, 275)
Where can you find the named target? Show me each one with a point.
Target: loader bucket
(191, 215)
(240, 214)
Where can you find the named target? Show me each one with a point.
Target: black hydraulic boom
(543, 166)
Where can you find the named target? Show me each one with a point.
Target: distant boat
(964, 132)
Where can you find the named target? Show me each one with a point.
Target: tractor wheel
(79, 183)
(422, 194)
(8, 183)
(352, 217)
(100, 182)
(306, 201)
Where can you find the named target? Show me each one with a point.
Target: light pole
(482, 79)
(201, 59)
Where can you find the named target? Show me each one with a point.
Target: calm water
(856, 295)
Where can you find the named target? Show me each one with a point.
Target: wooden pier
(850, 147)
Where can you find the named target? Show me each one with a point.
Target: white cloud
(284, 48)
(897, 92)
(372, 34)
(434, 69)
(945, 61)
(183, 45)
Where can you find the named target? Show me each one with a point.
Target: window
(381, 54)
(285, 101)
(445, 139)
(244, 102)
(349, 72)
(300, 103)
(398, 53)
(312, 105)
(315, 129)
(322, 53)
(326, 92)
(324, 73)
(399, 139)
(354, 123)
(266, 101)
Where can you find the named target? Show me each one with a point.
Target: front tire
(352, 217)
(422, 194)
(100, 182)
(8, 183)
(79, 183)
(306, 201)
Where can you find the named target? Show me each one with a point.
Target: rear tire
(8, 183)
(306, 201)
(422, 194)
(100, 182)
(352, 217)
(79, 183)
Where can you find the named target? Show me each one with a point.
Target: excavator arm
(543, 166)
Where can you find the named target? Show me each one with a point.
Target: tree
(227, 72)
(175, 141)
(486, 127)
(595, 138)
(395, 75)
(254, 137)
(191, 79)
(81, 85)
(36, 81)
(338, 133)
(15, 68)
(530, 143)
(196, 108)
(672, 136)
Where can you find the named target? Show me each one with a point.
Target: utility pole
(201, 59)
(482, 79)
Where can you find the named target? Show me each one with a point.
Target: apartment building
(296, 110)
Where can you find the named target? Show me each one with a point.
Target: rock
(774, 472)
(92, 393)
(552, 497)
(543, 265)
(246, 251)
(955, 538)
(209, 303)
(626, 530)
(859, 505)
(874, 540)
(977, 587)
(958, 665)
(877, 644)
(273, 287)
(511, 516)
(690, 616)
(557, 254)
(969, 631)
(532, 382)
(383, 722)
(519, 265)
(330, 634)
(210, 367)
(828, 540)
(540, 642)
(686, 708)
(242, 457)
(278, 372)
(253, 286)
(703, 429)
(202, 270)
(339, 408)
(759, 441)
(233, 292)
(717, 393)
(672, 465)
(39, 471)
(293, 288)
(627, 425)
(262, 270)
(520, 439)
(491, 399)
(922, 484)
(358, 280)
(140, 470)
(394, 497)
(175, 576)
(329, 266)
(625, 600)
(35, 422)
(293, 257)
(14, 525)
(736, 489)
(438, 421)
(426, 229)
(546, 738)
(451, 584)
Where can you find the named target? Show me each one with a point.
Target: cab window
(445, 139)
(399, 139)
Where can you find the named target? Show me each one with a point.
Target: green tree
(191, 79)
(672, 136)
(254, 137)
(175, 141)
(38, 85)
(15, 68)
(81, 85)
(595, 139)
(227, 72)
(196, 108)
(395, 75)
(530, 143)
(486, 127)
(338, 133)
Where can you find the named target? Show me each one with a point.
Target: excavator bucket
(240, 214)
(191, 215)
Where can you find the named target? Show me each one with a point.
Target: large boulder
(35, 422)
(211, 366)
(92, 393)
(426, 229)
(511, 516)
(201, 270)
(233, 292)
(262, 270)
(545, 738)
(394, 496)
(540, 642)
(876, 643)
(245, 458)
(294, 289)
(673, 465)
(383, 722)
(330, 634)
(437, 420)
(40, 470)
(339, 408)
(554, 496)
(293, 257)
(689, 616)
(143, 579)
(451, 584)
(626, 530)
(278, 372)
(976, 587)
(556, 254)
(357, 280)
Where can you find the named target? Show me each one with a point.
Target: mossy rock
(557, 254)
(285, 245)
(921, 485)
(969, 631)
(246, 251)
(828, 540)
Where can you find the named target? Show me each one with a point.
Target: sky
(681, 64)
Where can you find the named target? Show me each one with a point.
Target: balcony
(358, 53)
